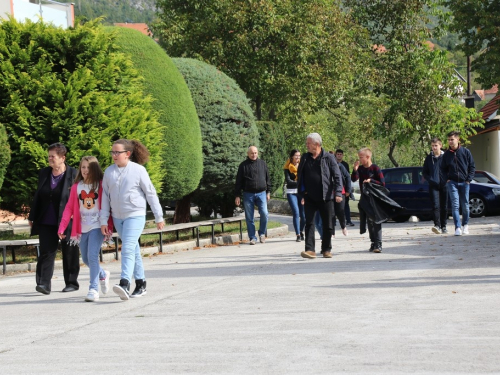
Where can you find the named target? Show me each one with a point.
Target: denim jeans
(130, 230)
(439, 200)
(299, 219)
(459, 197)
(250, 200)
(90, 246)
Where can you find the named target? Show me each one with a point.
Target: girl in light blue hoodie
(126, 188)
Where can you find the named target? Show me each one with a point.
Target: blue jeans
(130, 230)
(250, 200)
(90, 246)
(299, 218)
(459, 197)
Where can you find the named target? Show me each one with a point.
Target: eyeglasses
(116, 153)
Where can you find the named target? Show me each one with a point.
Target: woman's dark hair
(138, 152)
(292, 153)
(59, 148)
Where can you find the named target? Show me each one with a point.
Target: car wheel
(477, 206)
(401, 218)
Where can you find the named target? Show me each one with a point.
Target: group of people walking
(318, 189)
(80, 207)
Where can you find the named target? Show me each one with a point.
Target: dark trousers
(49, 242)
(439, 199)
(339, 212)
(326, 210)
(347, 210)
(375, 232)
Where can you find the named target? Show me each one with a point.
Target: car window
(479, 177)
(398, 177)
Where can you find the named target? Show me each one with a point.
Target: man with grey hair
(319, 182)
(253, 179)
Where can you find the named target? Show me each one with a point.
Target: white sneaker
(262, 238)
(105, 283)
(458, 232)
(466, 229)
(92, 296)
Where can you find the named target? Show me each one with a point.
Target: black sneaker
(372, 247)
(444, 230)
(436, 229)
(302, 236)
(140, 289)
(122, 289)
(351, 224)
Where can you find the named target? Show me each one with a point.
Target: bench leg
(222, 227)
(13, 255)
(241, 231)
(213, 234)
(161, 242)
(116, 248)
(177, 233)
(100, 254)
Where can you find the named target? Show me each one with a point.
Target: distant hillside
(116, 10)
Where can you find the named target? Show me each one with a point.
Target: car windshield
(482, 177)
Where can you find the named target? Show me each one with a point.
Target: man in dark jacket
(437, 186)
(253, 179)
(319, 182)
(458, 168)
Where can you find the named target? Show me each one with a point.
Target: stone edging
(167, 249)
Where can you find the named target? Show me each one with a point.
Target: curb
(233, 239)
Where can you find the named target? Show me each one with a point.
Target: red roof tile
(490, 107)
(142, 27)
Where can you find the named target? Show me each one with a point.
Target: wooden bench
(194, 226)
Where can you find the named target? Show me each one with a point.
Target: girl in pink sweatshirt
(83, 206)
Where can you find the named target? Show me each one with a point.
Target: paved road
(427, 304)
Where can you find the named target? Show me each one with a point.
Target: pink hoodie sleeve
(68, 210)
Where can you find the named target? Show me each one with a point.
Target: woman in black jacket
(51, 196)
(294, 199)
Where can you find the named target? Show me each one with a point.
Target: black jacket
(252, 177)
(458, 165)
(290, 180)
(432, 171)
(376, 205)
(330, 175)
(40, 203)
(346, 178)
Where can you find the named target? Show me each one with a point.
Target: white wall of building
(60, 15)
(485, 149)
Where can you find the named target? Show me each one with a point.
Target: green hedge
(227, 127)
(273, 151)
(4, 155)
(68, 86)
(182, 159)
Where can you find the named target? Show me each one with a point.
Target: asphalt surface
(427, 304)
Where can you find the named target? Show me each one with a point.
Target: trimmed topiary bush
(228, 129)
(272, 151)
(182, 166)
(68, 86)
(4, 155)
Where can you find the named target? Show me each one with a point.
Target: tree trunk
(183, 210)
(392, 147)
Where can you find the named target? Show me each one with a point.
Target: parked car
(485, 177)
(408, 187)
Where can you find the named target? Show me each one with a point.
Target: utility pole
(469, 99)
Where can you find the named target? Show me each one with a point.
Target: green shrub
(68, 86)
(227, 128)
(272, 151)
(182, 159)
(4, 155)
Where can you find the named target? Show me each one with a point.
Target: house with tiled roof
(485, 145)
(485, 94)
(142, 27)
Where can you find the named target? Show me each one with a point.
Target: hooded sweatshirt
(432, 171)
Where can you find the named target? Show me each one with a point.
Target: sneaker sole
(138, 295)
(105, 283)
(377, 251)
(91, 299)
(435, 230)
(121, 293)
